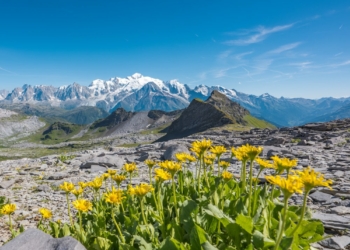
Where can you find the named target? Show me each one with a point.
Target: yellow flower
(292, 184)
(171, 166)
(226, 175)
(46, 213)
(83, 184)
(150, 163)
(162, 175)
(131, 190)
(119, 178)
(105, 176)
(111, 172)
(224, 164)
(114, 197)
(257, 180)
(181, 157)
(264, 163)
(210, 157)
(208, 162)
(240, 154)
(67, 186)
(77, 192)
(82, 205)
(142, 189)
(201, 146)
(312, 179)
(59, 221)
(8, 209)
(96, 183)
(130, 167)
(218, 150)
(282, 164)
(251, 151)
(191, 158)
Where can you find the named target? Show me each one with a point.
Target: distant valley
(142, 93)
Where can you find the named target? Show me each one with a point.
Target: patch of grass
(257, 123)
(295, 140)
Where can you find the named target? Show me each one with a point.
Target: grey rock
(341, 210)
(44, 188)
(143, 156)
(333, 221)
(336, 242)
(320, 196)
(107, 161)
(275, 140)
(7, 184)
(170, 152)
(38, 240)
(57, 176)
(97, 168)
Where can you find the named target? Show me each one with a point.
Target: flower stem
(284, 218)
(251, 187)
(243, 175)
(199, 171)
(117, 226)
(10, 223)
(69, 214)
(256, 193)
(150, 175)
(175, 202)
(302, 212)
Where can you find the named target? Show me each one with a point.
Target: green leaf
(171, 244)
(286, 242)
(103, 243)
(65, 230)
(260, 241)
(142, 243)
(218, 214)
(245, 222)
(189, 208)
(234, 231)
(207, 246)
(198, 237)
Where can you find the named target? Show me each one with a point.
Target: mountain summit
(143, 93)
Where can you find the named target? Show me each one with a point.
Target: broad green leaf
(171, 244)
(286, 242)
(260, 241)
(234, 231)
(188, 208)
(198, 237)
(245, 222)
(207, 246)
(142, 243)
(218, 214)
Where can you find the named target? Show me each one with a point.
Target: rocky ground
(33, 183)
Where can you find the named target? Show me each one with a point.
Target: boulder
(170, 152)
(336, 242)
(36, 239)
(105, 161)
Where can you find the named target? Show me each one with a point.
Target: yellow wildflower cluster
(200, 147)
(119, 178)
(112, 172)
(246, 152)
(142, 189)
(282, 164)
(67, 186)
(150, 163)
(115, 196)
(311, 179)
(289, 186)
(8, 209)
(171, 166)
(218, 150)
(162, 175)
(264, 163)
(226, 175)
(82, 205)
(45, 213)
(96, 183)
(130, 167)
(77, 192)
(183, 157)
(224, 164)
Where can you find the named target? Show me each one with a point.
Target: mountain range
(143, 93)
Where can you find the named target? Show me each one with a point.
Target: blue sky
(286, 48)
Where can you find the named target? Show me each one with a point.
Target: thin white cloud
(284, 48)
(241, 55)
(224, 54)
(341, 26)
(301, 65)
(6, 70)
(338, 54)
(260, 34)
(340, 64)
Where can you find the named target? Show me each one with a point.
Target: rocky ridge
(33, 183)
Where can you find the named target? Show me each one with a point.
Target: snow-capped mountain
(138, 93)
